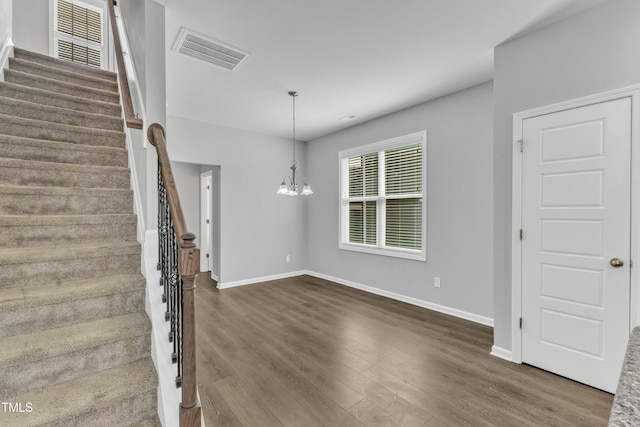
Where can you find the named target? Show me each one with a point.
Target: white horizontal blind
(363, 175)
(362, 222)
(404, 223)
(70, 51)
(403, 177)
(363, 182)
(383, 200)
(403, 170)
(79, 33)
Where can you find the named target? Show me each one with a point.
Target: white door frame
(204, 210)
(516, 199)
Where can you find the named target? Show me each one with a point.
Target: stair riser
(37, 375)
(60, 87)
(48, 98)
(52, 153)
(67, 234)
(132, 409)
(62, 178)
(62, 75)
(40, 318)
(57, 271)
(39, 204)
(64, 116)
(52, 134)
(63, 65)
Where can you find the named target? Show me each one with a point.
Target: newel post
(189, 261)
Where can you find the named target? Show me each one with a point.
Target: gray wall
(187, 177)
(258, 228)
(6, 19)
(593, 52)
(31, 25)
(144, 22)
(134, 13)
(459, 210)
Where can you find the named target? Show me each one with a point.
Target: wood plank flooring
(308, 352)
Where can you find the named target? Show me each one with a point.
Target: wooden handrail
(189, 266)
(129, 116)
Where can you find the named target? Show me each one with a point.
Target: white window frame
(106, 54)
(380, 248)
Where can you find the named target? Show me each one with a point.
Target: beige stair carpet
(75, 341)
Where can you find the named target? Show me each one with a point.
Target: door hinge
(520, 143)
(208, 187)
(521, 234)
(207, 255)
(520, 323)
(207, 221)
(630, 263)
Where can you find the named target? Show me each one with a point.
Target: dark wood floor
(306, 352)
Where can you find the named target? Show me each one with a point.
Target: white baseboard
(5, 54)
(260, 279)
(215, 277)
(135, 184)
(502, 353)
(409, 300)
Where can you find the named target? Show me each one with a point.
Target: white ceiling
(362, 57)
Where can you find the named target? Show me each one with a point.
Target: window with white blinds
(383, 200)
(78, 35)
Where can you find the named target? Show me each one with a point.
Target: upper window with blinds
(383, 200)
(79, 35)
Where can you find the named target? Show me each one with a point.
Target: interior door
(576, 215)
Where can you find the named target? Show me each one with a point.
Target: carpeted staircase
(75, 341)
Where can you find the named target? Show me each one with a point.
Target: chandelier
(293, 187)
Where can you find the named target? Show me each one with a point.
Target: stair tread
(50, 253)
(61, 97)
(59, 87)
(33, 220)
(33, 296)
(37, 164)
(63, 191)
(149, 422)
(58, 126)
(69, 114)
(41, 345)
(73, 87)
(22, 53)
(55, 71)
(62, 145)
(85, 394)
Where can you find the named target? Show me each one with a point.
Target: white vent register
(209, 50)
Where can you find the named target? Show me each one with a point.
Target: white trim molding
(632, 92)
(487, 321)
(502, 353)
(169, 397)
(5, 54)
(251, 281)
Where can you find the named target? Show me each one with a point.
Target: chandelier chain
(294, 127)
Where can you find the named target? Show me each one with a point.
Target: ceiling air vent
(207, 49)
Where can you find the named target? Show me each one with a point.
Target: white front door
(576, 215)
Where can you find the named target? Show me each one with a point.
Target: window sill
(396, 253)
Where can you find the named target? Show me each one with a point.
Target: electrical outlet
(287, 258)
(436, 282)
